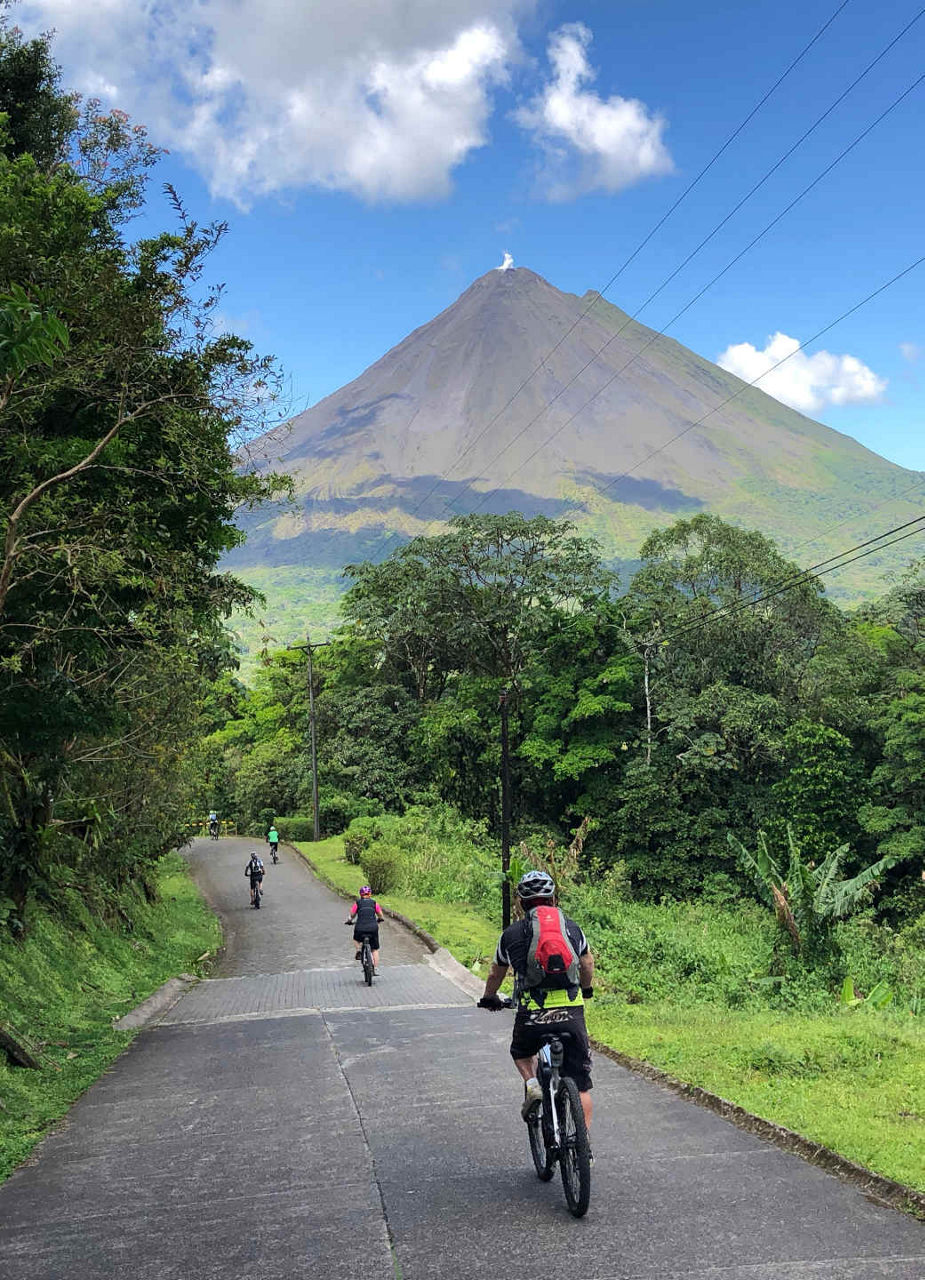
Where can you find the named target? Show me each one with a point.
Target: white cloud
(805, 382)
(911, 351)
(591, 143)
(382, 98)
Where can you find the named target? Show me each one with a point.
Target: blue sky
(374, 156)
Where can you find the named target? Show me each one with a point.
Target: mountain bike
(258, 894)
(273, 853)
(556, 1125)
(213, 830)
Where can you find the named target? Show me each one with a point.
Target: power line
(820, 570)
(656, 334)
(642, 244)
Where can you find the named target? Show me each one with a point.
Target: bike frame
(548, 1067)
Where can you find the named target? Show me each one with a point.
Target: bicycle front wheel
(542, 1157)
(575, 1148)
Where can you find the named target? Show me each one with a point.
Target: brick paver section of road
(293, 1123)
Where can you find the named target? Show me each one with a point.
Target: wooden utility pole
(505, 814)
(309, 650)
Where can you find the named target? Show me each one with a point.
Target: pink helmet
(365, 891)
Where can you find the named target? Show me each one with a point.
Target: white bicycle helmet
(536, 884)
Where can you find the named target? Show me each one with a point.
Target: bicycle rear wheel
(367, 965)
(542, 1157)
(575, 1148)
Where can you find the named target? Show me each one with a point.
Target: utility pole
(505, 814)
(309, 650)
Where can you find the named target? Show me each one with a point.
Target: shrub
(338, 809)
(360, 835)
(297, 827)
(382, 868)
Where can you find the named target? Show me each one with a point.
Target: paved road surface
(287, 1122)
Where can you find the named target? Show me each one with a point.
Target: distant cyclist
(273, 842)
(213, 824)
(254, 871)
(553, 972)
(365, 915)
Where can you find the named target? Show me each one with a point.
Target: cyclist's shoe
(533, 1095)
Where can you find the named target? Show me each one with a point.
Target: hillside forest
(711, 735)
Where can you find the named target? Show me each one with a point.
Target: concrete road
(293, 1123)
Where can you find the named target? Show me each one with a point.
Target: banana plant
(878, 997)
(806, 899)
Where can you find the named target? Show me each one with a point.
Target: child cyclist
(365, 915)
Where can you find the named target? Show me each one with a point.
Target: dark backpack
(552, 961)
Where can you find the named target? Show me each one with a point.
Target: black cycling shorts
(373, 937)
(256, 879)
(531, 1026)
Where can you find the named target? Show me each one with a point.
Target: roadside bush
(361, 833)
(338, 809)
(381, 868)
(432, 852)
(295, 827)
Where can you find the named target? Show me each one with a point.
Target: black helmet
(536, 884)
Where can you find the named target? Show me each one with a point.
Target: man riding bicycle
(213, 823)
(553, 972)
(273, 842)
(365, 915)
(254, 871)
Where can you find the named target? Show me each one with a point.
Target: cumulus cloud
(381, 98)
(591, 143)
(805, 382)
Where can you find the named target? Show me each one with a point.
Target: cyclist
(552, 1004)
(273, 842)
(365, 915)
(254, 872)
(213, 823)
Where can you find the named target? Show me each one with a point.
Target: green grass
(683, 986)
(853, 1080)
(68, 980)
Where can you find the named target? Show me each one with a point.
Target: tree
(120, 414)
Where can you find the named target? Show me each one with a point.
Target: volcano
(522, 397)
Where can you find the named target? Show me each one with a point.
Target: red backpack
(552, 961)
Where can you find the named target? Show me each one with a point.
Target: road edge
(158, 1003)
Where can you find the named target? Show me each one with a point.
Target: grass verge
(69, 979)
(851, 1079)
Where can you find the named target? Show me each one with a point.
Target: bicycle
(273, 853)
(366, 960)
(257, 894)
(556, 1126)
